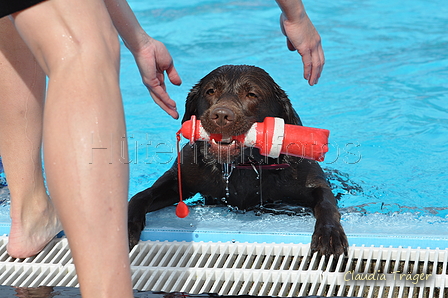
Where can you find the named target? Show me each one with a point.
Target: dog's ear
(191, 105)
(289, 114)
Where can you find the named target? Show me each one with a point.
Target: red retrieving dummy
(272, 137)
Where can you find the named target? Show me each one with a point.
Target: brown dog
(228, 101)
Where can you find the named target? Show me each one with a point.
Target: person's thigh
(60, 30)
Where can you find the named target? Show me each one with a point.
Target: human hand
(153, 59)
(303, 37)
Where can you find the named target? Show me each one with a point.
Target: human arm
(151, 56)
(302, 36)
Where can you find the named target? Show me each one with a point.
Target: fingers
(307, 65)
(173, 75)
(163, 100)
(153, 60)
(318, 65)
(159, 94)
(303, 37)
(157, 90)
(313, 63)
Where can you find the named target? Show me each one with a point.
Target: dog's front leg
(329, 236)
(163, 193)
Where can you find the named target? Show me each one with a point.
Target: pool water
(383, 95)
(383, 92)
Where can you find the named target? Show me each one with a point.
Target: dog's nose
(222, 116)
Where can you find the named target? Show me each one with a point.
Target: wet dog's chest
(246, 188)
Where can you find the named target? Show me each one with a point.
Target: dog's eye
(210, 91)
(251, 95)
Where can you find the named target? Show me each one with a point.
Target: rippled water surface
(383, 93)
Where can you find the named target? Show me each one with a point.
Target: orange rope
(181, 209)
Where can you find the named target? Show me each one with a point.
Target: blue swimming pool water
(383, 95)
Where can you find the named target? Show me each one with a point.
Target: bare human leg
(77, 47)
(22, 81)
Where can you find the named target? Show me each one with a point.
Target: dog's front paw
(134, 232)
(329, 239)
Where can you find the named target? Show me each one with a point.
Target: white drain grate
(259, 269)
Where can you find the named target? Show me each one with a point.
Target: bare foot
(32, 231)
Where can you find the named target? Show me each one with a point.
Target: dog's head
(231, 98)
